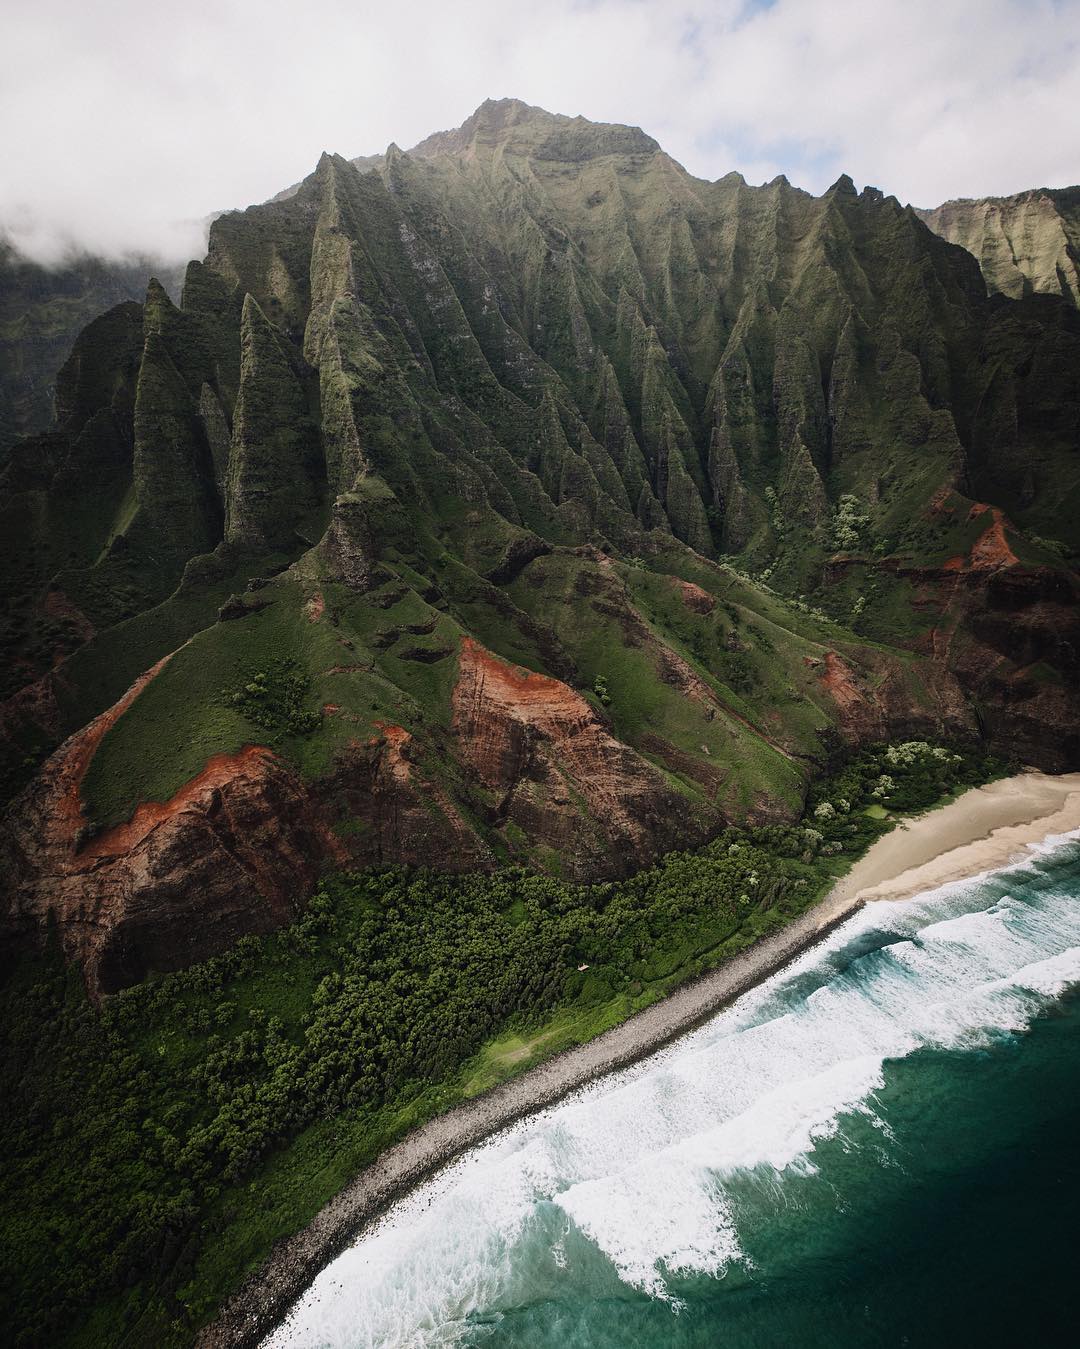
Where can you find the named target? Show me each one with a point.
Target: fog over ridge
(135, 123)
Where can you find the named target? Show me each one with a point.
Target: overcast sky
(122, 119)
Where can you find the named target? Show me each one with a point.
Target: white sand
(979, 831)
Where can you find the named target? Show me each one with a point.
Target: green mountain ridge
(1024, 243)
(521, 498)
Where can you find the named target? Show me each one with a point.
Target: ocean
(877, 1146)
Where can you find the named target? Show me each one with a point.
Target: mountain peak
(844, 186)
(520, 128)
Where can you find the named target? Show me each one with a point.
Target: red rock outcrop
(855, 708)
(698, 601)
(878, 704)
(1014, 642)
(991, 549)
(997, 623)
(557, 772)
(234, 851)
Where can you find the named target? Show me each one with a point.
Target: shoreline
(979, 831)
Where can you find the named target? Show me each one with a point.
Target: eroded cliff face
(1007, 631)
(235, 851)
(237, 848)
(554, 770)
(1027, 243)
(529, 768)
(385, 808)
(1003, 632)
(876, 705)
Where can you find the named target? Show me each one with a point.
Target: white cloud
(125, 117)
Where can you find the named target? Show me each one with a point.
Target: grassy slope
(185, 715)
(746, 745)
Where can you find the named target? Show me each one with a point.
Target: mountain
(519, 498)
(1025, 244)
(42, 311)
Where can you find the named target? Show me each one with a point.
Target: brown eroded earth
(233, 851)
(554, 768)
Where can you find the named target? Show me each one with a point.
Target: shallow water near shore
(876, 1146)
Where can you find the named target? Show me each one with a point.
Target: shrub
(848, 525)
(273, 699)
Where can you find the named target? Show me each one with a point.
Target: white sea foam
(641, 1166)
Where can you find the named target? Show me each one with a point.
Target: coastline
(979, 831)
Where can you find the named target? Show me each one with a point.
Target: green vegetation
(200, 703)
(155, 1148)
(273, 699)
(849, 524)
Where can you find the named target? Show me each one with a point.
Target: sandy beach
(980, 831)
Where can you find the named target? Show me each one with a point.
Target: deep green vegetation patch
(157, 1147)
(275, 699)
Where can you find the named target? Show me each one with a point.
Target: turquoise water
(877, 1147)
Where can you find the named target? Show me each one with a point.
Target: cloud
(128, 122)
